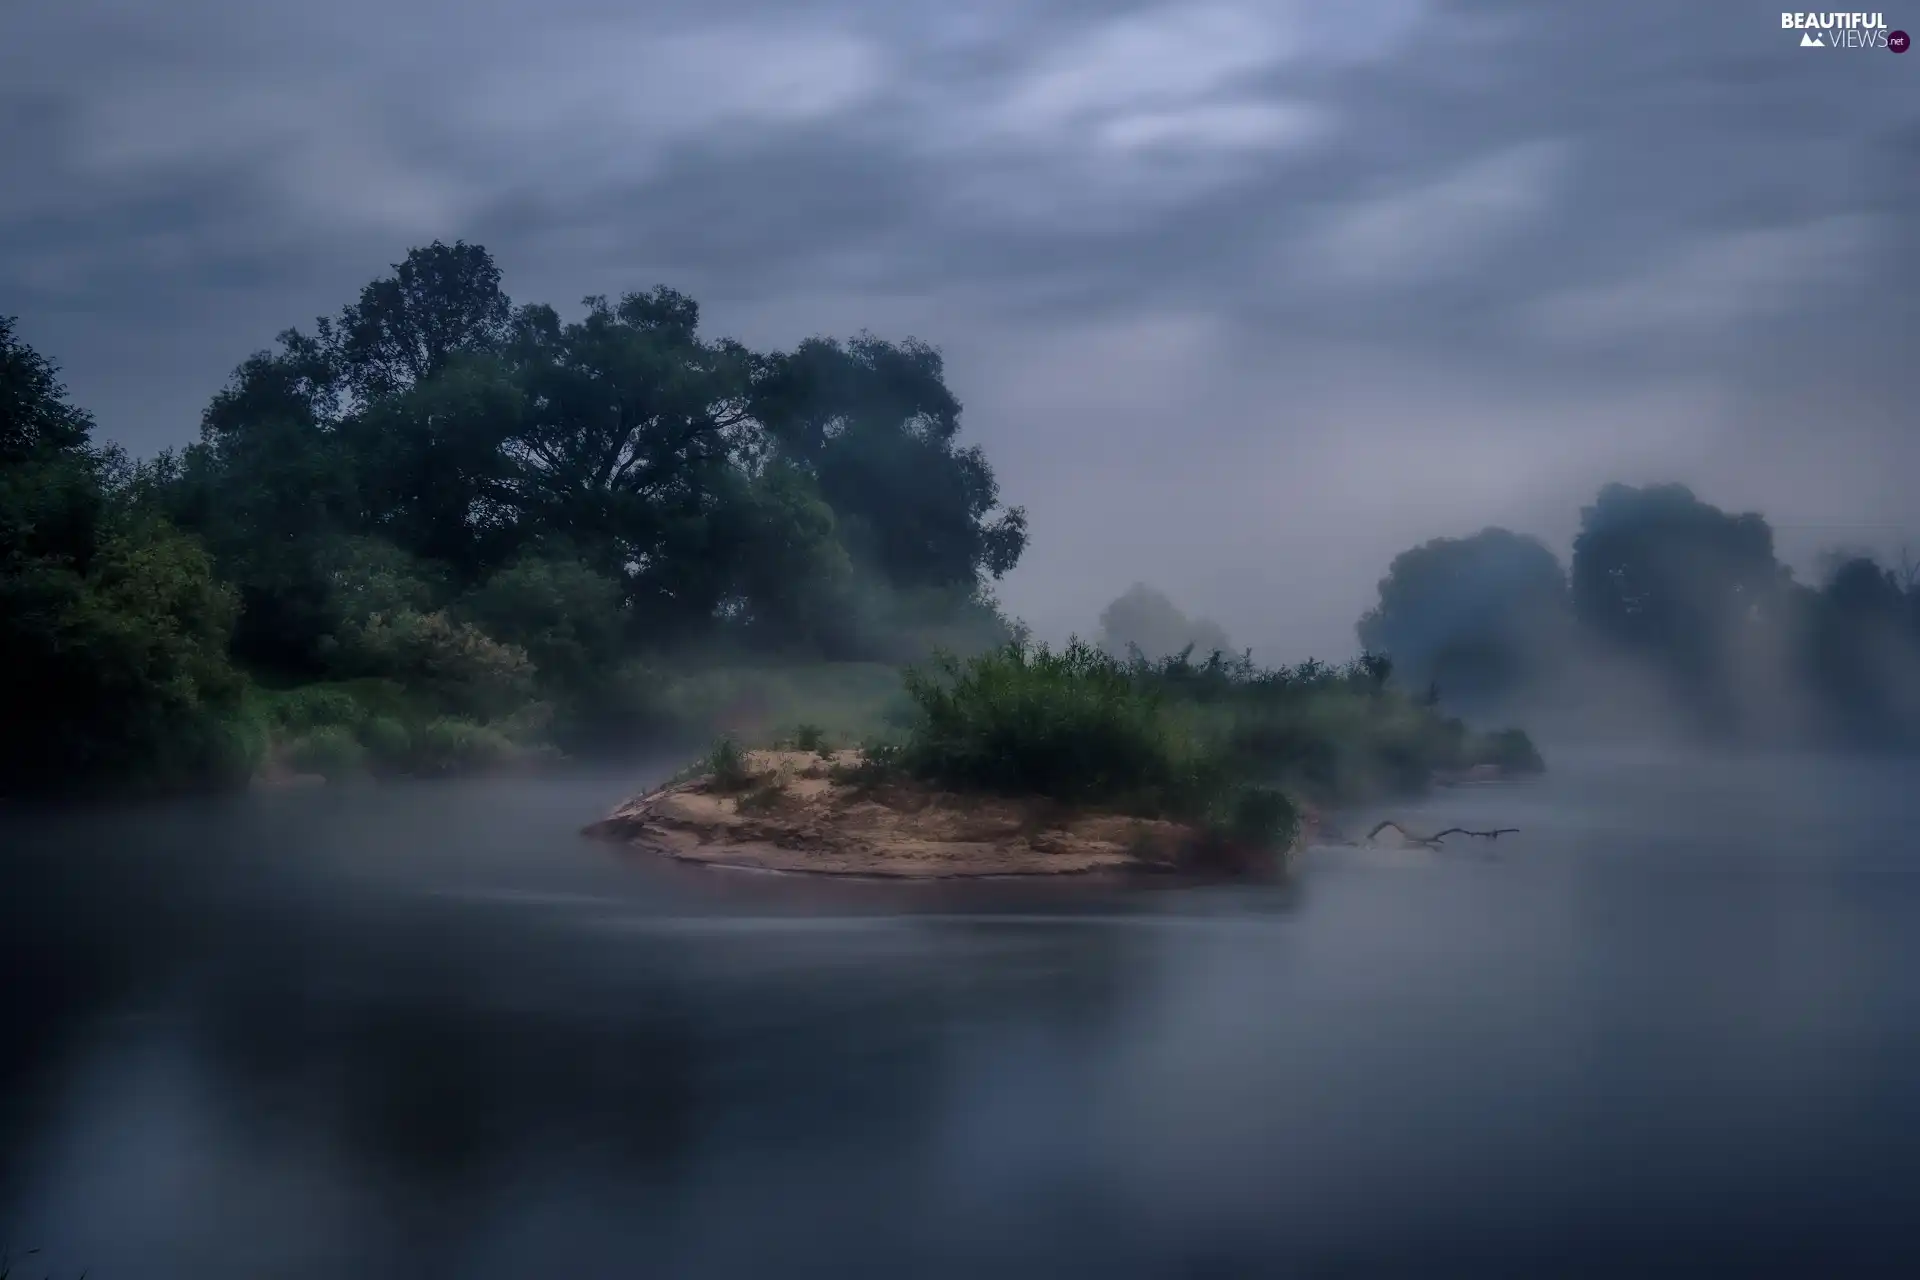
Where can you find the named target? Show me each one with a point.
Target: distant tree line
(1671, 599)
(480, 503)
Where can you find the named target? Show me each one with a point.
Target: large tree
(113, 630)
(1480, 617)
(1143, 618)
(1862, 654)
(1692, 591)
(875, 422)
(721, 488)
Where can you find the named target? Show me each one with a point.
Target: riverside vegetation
(1027, 760)
(443, 532)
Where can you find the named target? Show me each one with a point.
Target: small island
(1030, 762)
(824, 814)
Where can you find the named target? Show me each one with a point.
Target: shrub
(529, 726)
(566, 616)
(331, 751)
(1513, 751)
(726, 763)
(455, 663)
(314, 707)
(762, 797)
(451, 744)
(1071, 725)
(1258, 817)
(808, 737)
(1221, 741)
(387, 740)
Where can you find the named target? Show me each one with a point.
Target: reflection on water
(1672, 1028)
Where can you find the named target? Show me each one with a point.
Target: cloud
(1168, 57)
(1243, 296)
(632, 82)
(1713, 289)
(1222, 126)
(1446, 226)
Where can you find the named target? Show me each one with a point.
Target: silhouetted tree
(1480, 617)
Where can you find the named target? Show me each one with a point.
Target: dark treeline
(441, 525)
(1671, 610)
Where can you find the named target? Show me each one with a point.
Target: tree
(1475, 617)
(1681, 585)
(441, 302)
(630, 444)
(1145, 619)
(271, 481)
(35, 418)
(1862, 654)
(875, 423)
(432, 469)
(113, 630)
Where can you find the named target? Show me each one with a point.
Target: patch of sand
(804, 812)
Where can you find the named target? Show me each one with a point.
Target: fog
(1288, 329)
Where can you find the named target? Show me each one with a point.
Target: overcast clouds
(1241, 298)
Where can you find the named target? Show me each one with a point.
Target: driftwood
(1433, 841)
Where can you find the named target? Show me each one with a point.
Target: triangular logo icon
(1808, 40)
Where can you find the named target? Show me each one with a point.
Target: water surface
(424, 1030)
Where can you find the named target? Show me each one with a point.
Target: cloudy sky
(1241, 297)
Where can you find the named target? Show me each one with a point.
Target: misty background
(1241, 299)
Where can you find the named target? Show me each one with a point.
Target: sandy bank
(804, 813)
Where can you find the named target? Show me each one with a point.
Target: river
(1671, 1028)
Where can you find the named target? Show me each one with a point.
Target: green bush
(451, 744)
(331, 751)
(117, 673)
(727, 765)
(454, 662)
(1079, 726)
(564, 614)
(314, 707)
(388, 741)
(1513, 751)
(1072, 725)
(1221, 742)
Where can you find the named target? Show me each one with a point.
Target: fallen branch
(1433, 841)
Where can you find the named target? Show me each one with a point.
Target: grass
(1085, 729)
(1223, 743)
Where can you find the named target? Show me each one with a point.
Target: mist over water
(422, 1029)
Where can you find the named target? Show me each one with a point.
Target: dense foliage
(1672, 606)
(476, 526)
(1222, 742)
(113, 626)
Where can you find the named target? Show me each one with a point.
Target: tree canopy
(113, 628)
(721, 488)
(1143, 621)
(483, 502)
(1471, 615)
(1678, 591)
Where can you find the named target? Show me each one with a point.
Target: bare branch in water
(1433, 841)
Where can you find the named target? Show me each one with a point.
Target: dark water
(1673, 1028)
